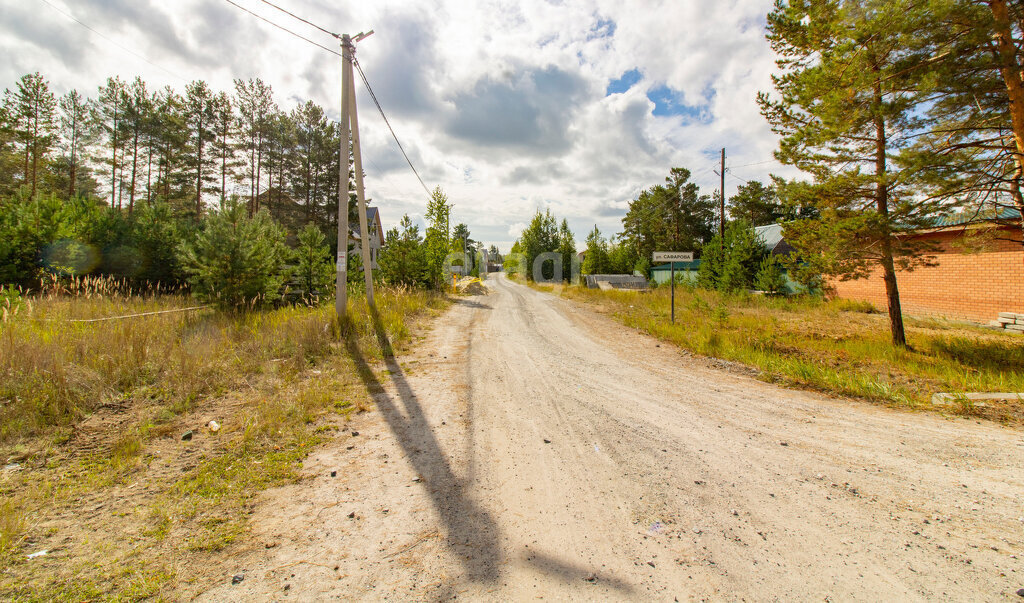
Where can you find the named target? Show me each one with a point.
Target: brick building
(973, 286)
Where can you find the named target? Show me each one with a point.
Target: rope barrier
(125, 316)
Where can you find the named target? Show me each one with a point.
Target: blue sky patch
(604, 28)
(623, 83)
(669, 102)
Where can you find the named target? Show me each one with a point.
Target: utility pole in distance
(721, 202)
(350, 127)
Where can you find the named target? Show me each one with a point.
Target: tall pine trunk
(1012, 72)
(259, 166)
(149, 174)
(135, 170)
(74, 154)
(892, 293)
(35, 147)
(113, 159)
(199, 171)
(223, 168)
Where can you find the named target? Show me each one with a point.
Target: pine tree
(540, 236)
(438, 240)
(137, 108)
(770, 277)
(200, 119)
(314, 270)
(846, 102)
(223, 125)
(77, 133)
(974, 150)
(110, 110)
(595, 260)
(758, 204)
(403, 259)
(236, 261)
(255, 103)
(33, 115)
(567, 250)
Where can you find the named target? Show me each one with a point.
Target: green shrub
(770, 277)
(731, 267)
(235, 260)
(403, 260)
(315, 272)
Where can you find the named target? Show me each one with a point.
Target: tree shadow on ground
(472, 533)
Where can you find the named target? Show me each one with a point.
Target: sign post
(672, 257)
(672, 275)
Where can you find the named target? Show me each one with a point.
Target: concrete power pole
(341, 283)
(350, 127)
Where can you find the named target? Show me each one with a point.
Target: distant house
(376, 235)
(771, 236)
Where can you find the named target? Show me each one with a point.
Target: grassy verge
(837, 346)
(92, 416)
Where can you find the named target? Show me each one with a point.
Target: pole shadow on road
(471, 303)
(569, 573)
(472, 532)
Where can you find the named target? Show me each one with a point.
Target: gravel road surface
(531, 448)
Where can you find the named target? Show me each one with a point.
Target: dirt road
(529, 448)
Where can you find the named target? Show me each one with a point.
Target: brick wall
(973, 286)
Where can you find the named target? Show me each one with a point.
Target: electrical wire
(358, 67)
(388, 123)
(281, 27)
(128, 50)
(755, 163)
(728, 171)
(294, 16)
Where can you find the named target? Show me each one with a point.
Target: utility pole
(350, 127)
(341, 282)
(721, 202)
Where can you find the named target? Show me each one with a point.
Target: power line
(294, 16)
(281, 27)
(729, 172)
(359, 68)
(388, 123)
(757, 163)
(128, 50)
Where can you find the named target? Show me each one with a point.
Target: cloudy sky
(509, 106)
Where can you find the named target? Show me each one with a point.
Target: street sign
(673, 256)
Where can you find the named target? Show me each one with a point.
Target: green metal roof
(982, 215)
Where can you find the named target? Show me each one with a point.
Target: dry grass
(91, 417)
(838, 346)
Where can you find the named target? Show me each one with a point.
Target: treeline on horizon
(675, 216)
(199, 188)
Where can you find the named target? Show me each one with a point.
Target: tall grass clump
(56, 367)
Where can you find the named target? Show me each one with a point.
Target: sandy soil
(530, 448)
